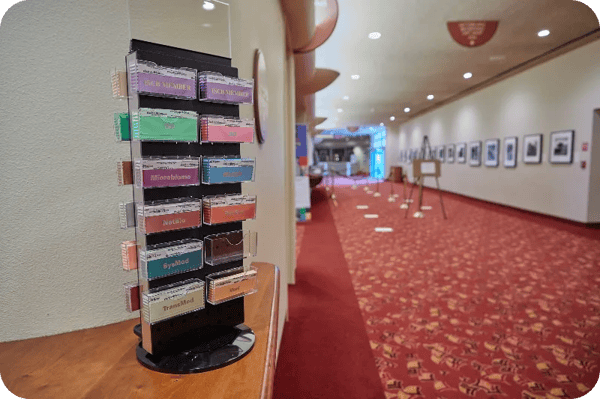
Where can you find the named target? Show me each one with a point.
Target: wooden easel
(425, 168)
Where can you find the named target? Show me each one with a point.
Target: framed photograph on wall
(510, 152)
(441, 150)
(561, 146)
(450, 153)
(475, 153)
(492, 152)
(461, 152)
(532, 148)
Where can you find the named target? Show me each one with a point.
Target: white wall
(594, 197)
(560, 94)
(60, 243)
(61, 236)
(273, 221)
(392, 156)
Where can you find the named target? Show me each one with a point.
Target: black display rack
(214, 336)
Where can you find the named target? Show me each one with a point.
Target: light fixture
(543, 33)
(355, 77)
(468, 75)
(381, 124)
(430, 97)
(374, 35)
(208, 6)
(392, 118)
(346, 98)
(206, 25)
(407, 110)
(340, 110)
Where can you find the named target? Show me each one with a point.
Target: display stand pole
(409, 199)
(377, 193)
(405, 199)
(354, 185)
(392, 197)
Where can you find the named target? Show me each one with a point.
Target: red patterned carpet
(325, 350)
(492, 303)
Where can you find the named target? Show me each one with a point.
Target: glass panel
(204, 26)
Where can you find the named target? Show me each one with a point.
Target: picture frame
(492, 152)
(450, 153)
(510, 152)
(461, 152)
(475, 153)
(561, 147)
(532, 148)
(441, 153)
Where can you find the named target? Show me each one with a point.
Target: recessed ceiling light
(340, 110)
(543, 33)
(346, 98)
(392, 118)
(206, 25)
(468, 75)
(208, 6)
(374, 35)
(430, 97)
(407, 110)
(381, 124)
(355, 77)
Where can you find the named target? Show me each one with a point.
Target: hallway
(493, 302)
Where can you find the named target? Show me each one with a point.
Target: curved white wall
(560, 94)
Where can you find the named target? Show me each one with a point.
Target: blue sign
(301, 145)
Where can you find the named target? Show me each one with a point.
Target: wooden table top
(101, 362)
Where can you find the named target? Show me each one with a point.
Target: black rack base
(199, 359)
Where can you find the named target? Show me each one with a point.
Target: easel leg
(437, 182)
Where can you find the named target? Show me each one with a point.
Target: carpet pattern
(491, 303)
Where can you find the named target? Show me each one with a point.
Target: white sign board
(428, 168)
(302, 192)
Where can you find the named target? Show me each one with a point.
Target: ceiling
(416, 56)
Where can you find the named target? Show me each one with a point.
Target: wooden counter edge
(271, 355)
